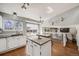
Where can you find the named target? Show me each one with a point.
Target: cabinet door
(2, 44)
(12, 42)
(29, 48)
(46, 49)
(22, 40)
(36, 50)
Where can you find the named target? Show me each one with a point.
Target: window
(8, 24)
(32, 29)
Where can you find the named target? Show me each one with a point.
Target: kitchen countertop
(44, 35)
(6, 35)
(39, 41)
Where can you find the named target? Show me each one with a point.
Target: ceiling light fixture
(25, 5)
(14, 13)
(49, 10)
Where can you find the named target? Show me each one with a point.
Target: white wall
(71, 17)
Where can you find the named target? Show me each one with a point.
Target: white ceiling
(35, 10)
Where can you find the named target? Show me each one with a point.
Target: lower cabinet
(10, 43)
(46, 49)
(33, 49)
(22, 40)
(36, 50)
(2, 44)
(30, 48)
(17, 41)
(39, 50)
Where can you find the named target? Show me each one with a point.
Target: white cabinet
(21, 40)
(16, 41)
(2, 44)
(1, 22)
(46, 49)
(35, 49)
(30, 47)
(12, 42)
(57, 35)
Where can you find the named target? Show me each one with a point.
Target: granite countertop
(44, 35)
(40, 41)
(9, 35)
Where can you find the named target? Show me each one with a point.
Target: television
(64, 30)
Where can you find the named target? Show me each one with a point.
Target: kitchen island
(39, 46)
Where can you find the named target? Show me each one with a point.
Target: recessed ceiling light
(49, 9)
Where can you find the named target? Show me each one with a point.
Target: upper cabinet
(0, 21)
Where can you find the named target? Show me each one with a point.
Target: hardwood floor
(57, 50)
(69, 50)
(17, 52)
